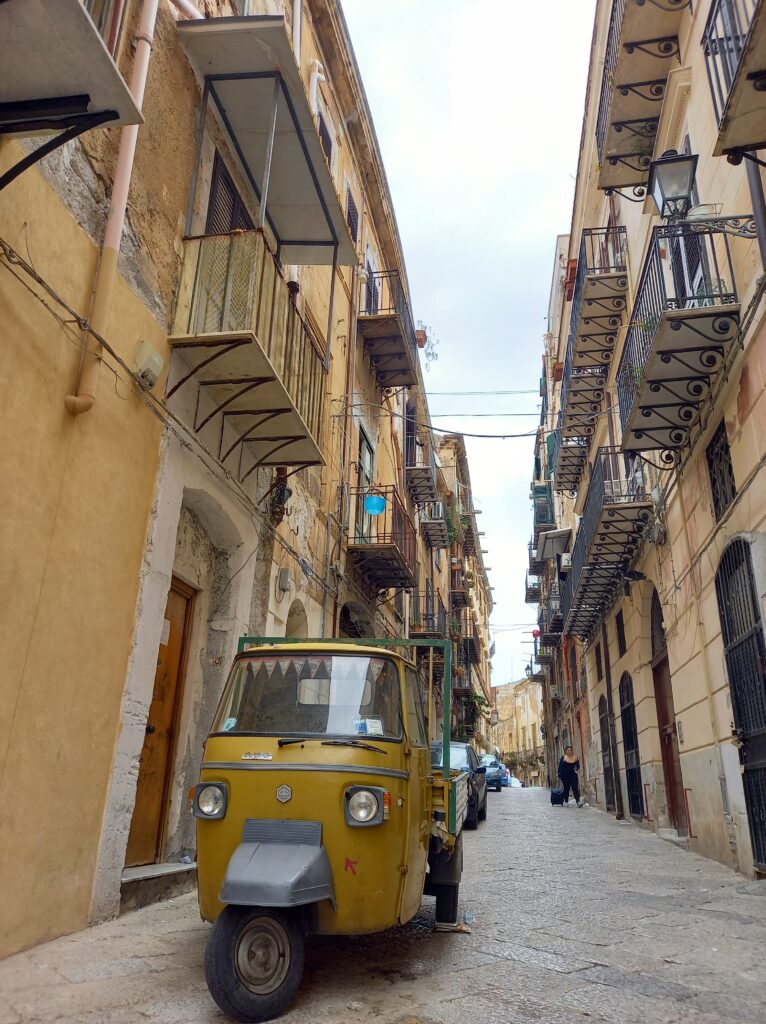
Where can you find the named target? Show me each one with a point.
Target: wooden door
(671, 758)
(155, 768)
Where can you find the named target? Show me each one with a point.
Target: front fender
(279, 864)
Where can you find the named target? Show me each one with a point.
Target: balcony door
(606, 754)
(630, 747)
(365, 469)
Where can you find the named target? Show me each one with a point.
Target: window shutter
(226, 211)
(352, 216)
(324, 136)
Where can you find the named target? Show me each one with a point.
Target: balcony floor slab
(688, 352)
(743, 122)
(241, 400)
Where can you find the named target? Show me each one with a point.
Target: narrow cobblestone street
(578, 917)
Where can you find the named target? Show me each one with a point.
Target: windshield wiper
(295, 739)
(353, 743)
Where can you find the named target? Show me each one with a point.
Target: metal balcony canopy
(552, 543)
(56, 75)
(247, 65)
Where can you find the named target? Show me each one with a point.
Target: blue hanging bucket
(374, 504)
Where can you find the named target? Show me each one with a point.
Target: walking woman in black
(569, 766)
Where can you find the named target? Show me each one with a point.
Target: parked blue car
(494, 771)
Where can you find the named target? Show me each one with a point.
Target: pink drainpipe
(84, 396)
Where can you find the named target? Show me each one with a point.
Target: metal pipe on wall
(759, 205)
(84, 394)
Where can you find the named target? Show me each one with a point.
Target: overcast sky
(478, 110)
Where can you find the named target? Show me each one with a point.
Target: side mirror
(481, 770)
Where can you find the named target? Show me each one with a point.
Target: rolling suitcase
(557, 797)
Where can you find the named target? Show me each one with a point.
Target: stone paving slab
(578, 918)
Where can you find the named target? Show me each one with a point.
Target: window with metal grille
(619, 625)
(225, 210)
(599, 663)
(721, 471)
(324, 136)
(352, 216)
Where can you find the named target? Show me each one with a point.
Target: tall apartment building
(210, 369)
(652, 566)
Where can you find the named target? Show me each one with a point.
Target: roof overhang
(552, 543)
(56, 71)
(247, 64)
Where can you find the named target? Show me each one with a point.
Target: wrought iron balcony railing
(420, 466)
(246, 369)
(642, 46)
(469, 645)
(536, 565)
(383, 547)
(433, 523)
(614, 522)
(684, 320)
(545, 655)
(428, 616)
(385, 323)
(570, 456)
(532, 591)
(599, 297)
(734, 43)
(458, 588)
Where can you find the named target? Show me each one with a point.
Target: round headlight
(210, 800)
(363, 805)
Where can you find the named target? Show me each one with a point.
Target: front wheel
(254, 962)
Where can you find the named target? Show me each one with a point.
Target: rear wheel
(254, 962)
(446, 904)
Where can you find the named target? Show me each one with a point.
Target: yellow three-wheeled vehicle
(318, 811)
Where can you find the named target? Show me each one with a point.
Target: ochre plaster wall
(76, 499)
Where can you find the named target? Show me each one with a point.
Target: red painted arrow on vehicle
(350, 865)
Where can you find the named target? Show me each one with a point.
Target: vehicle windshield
(490, 760)
(458, 756)
(312, 695)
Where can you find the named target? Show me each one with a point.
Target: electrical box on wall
(148, 364)
(284, 581)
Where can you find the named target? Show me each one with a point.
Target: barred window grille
(352, 216)
(324, 136)
(619, 625)
(721, 471)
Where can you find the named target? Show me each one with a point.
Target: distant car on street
(494, 772)
(463, 757)
(515, 783)
(506, 780)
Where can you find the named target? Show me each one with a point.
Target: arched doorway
(606, 753)
(745, 655)
(297, 621)
(666, 720)
(630, 747)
